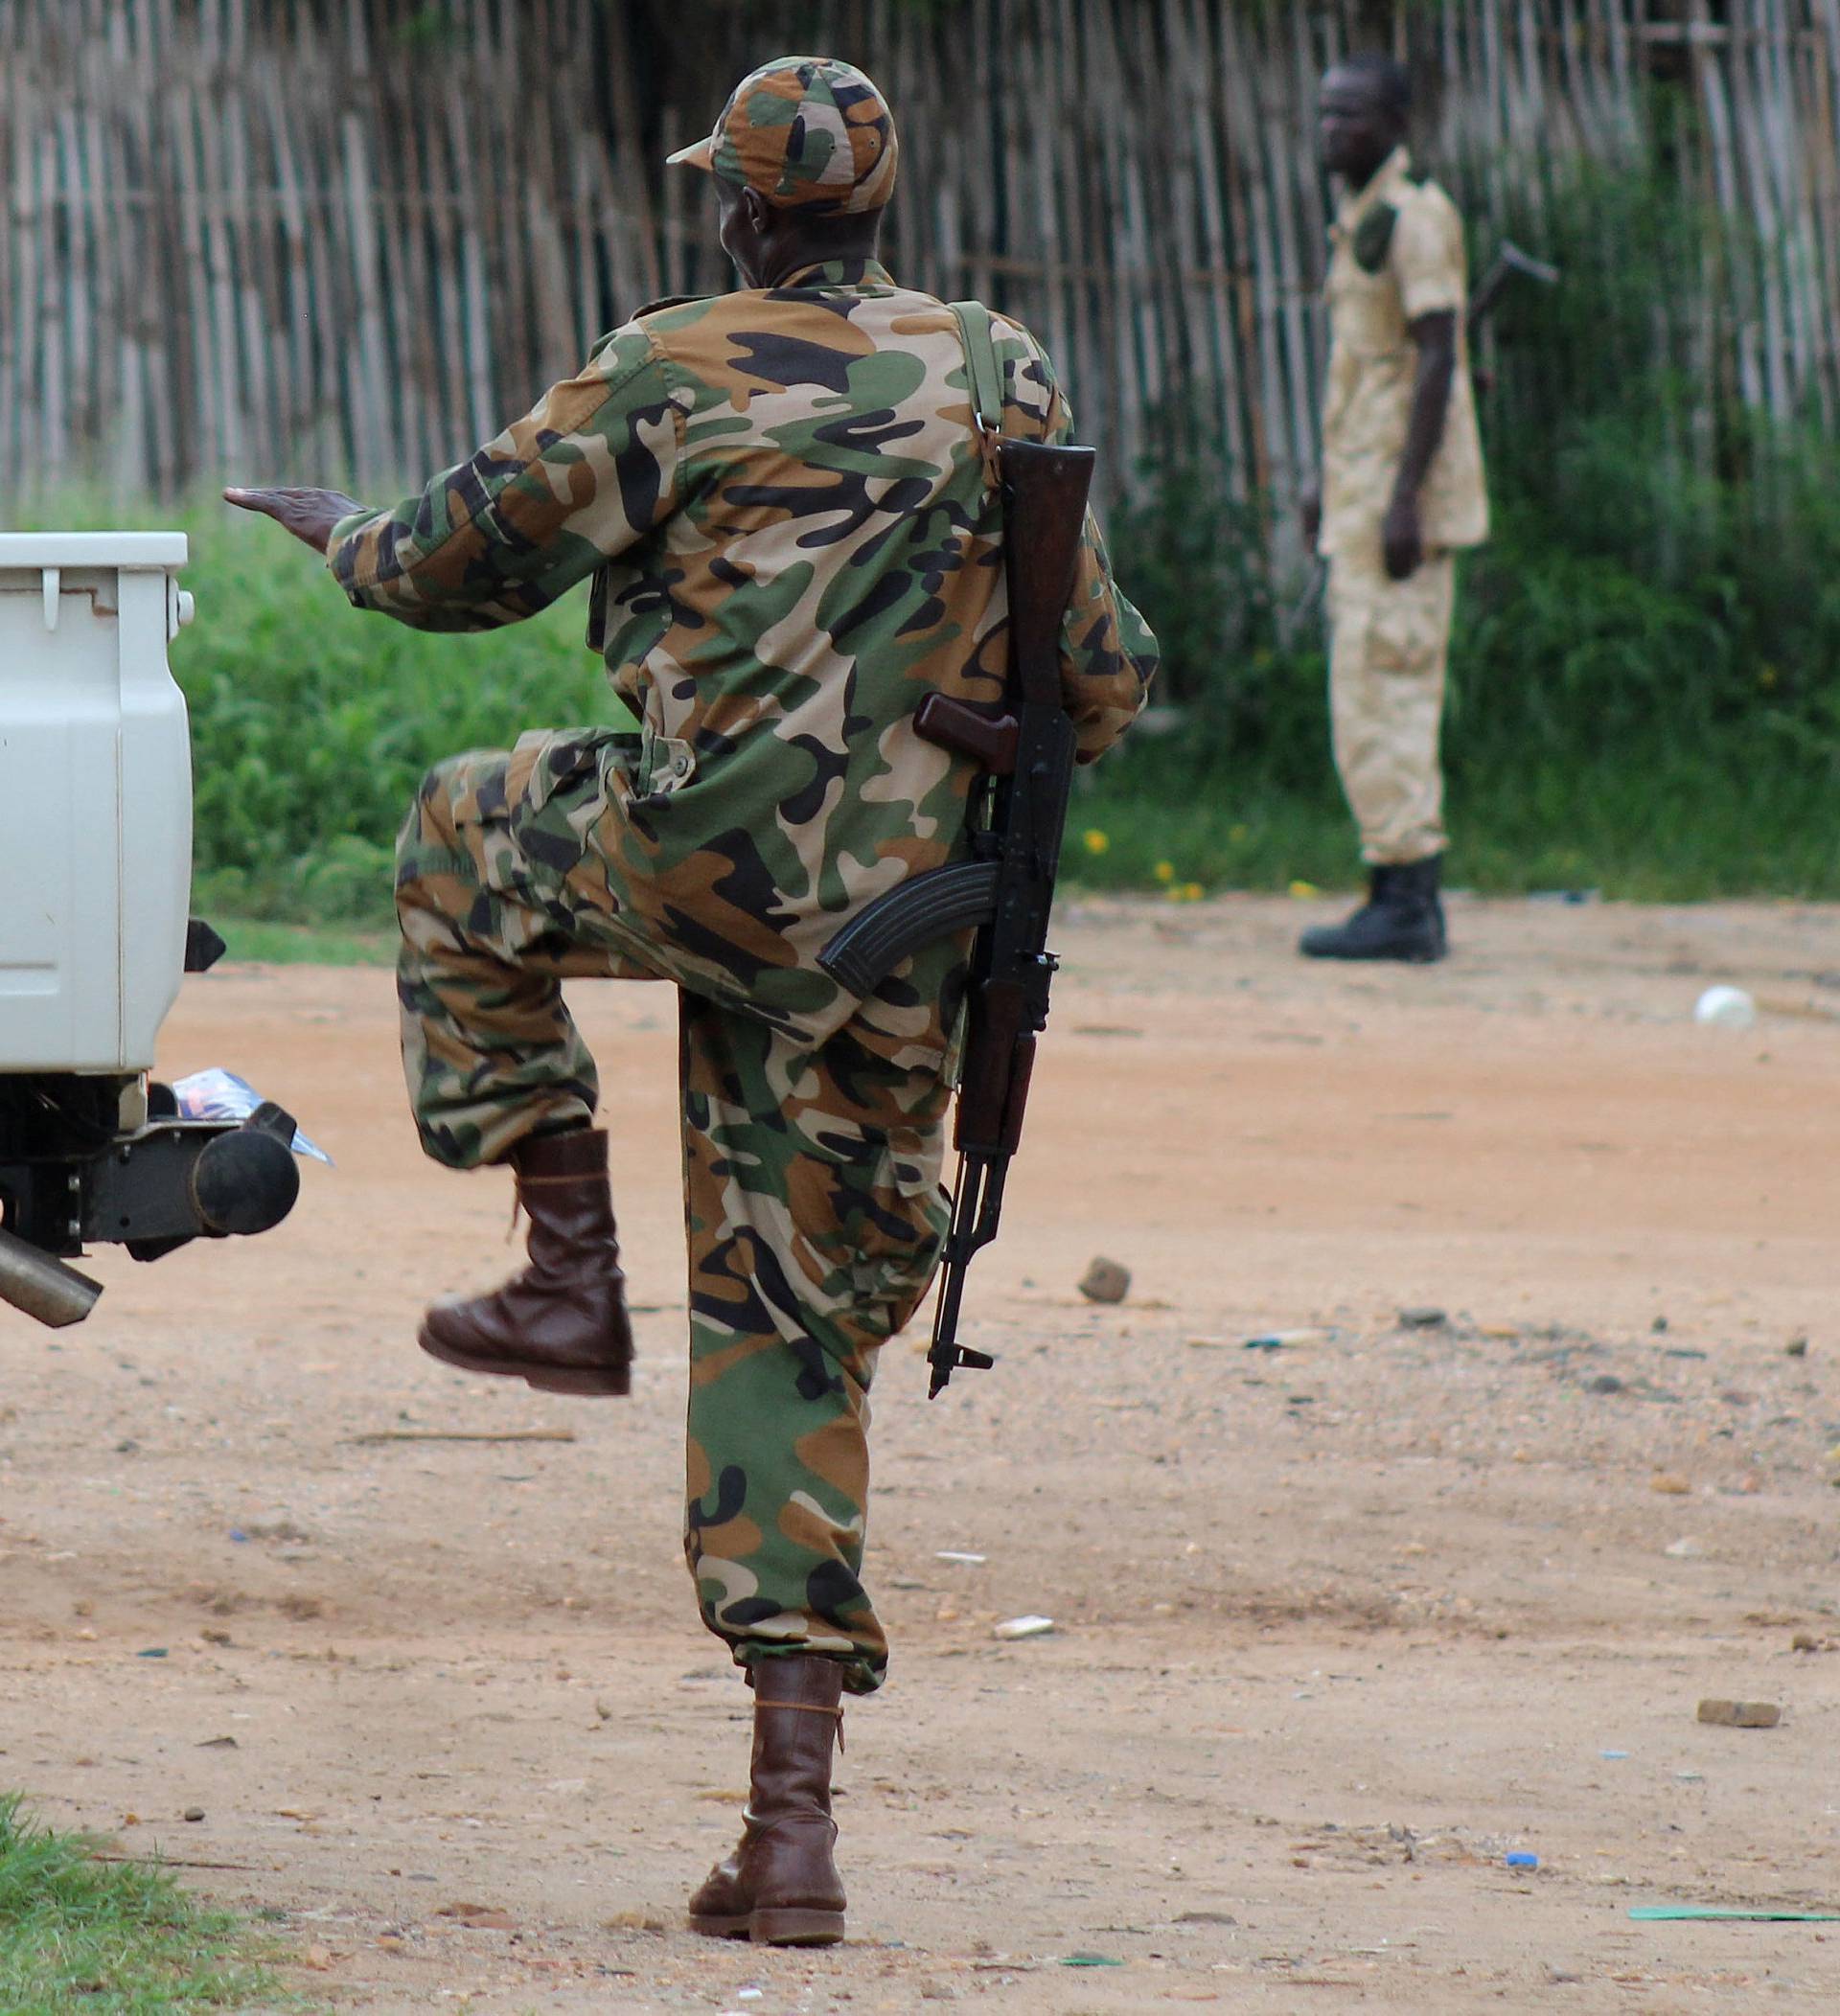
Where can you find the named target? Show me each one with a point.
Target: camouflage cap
(807, 132)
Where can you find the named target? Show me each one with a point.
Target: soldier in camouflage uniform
(1402, 488)
(780, 503)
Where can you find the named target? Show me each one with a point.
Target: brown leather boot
(780, 1887)
(562, 1324)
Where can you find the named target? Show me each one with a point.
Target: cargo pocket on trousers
(531, 835)
(872, 1239)
(903, 1270)
(1399, 638)
(547, 761)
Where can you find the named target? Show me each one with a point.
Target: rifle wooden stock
(1045, 494)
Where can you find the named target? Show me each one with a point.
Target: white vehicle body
(95, 798)
(96, 856)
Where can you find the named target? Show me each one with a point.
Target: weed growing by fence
(1612, 723)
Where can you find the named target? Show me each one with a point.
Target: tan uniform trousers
(1389, 641)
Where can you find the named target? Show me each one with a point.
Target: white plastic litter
(1025, 1628)
(969, 1560)
(221, 1095)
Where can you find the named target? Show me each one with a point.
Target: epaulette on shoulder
(1373, 238)
(657, 307)
(651, 307)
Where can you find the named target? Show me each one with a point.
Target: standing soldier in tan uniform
(1402, 488)
(783, 506)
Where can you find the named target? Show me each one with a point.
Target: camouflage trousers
(813, 1206)
(1389, 642)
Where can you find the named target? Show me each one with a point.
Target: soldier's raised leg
(816, 1220)
(497, 1071)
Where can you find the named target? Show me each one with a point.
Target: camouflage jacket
(780, 500)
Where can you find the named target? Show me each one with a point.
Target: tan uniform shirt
(1380, 282)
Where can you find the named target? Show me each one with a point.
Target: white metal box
(95, 798)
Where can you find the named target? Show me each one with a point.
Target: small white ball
(1726, 1008)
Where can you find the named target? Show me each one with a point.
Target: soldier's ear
(758, 212)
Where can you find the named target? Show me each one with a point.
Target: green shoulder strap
(973, 318)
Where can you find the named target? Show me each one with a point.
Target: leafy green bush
(312, 724)
(1655, 732)
(1643, 674)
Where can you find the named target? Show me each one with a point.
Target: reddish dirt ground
(1335, 1626)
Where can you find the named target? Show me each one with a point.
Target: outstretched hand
(310, 515)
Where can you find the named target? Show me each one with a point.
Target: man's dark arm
(500, 536)
(1435, 337)
(310, 515)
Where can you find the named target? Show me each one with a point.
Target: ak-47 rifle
(1006, 888)
(1509, 263)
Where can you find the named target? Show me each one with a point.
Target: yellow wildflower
(1096, 841)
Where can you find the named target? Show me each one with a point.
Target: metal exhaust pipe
(42, 1287)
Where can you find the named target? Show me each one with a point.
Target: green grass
(111, 1938)
(261, 943)
(1654, 825)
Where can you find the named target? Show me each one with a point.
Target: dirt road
(1336, 1626)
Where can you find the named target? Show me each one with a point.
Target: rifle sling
(1037, 682)
(986, 376)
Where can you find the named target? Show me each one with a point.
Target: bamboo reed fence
(346, 241)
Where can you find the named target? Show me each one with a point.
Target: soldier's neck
(814, 248)
(1360, 181)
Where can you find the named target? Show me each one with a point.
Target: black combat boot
(1403, 918)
